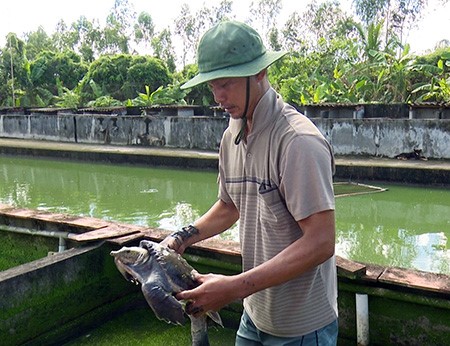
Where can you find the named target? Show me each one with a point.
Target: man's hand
(215, 291)
(181, 239)
(171, 243)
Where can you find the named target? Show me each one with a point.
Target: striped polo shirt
(281, 174)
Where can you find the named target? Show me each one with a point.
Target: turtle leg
(165, 306)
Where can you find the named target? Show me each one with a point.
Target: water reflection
(405, 226)
(145, 196)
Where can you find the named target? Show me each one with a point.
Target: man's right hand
(178, 240)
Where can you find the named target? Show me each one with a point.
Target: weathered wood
(109, 232)
(349, 269)
(416, 279)
(56, 218)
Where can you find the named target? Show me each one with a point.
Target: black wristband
(185, 233)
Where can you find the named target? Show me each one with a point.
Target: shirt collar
(262, 114)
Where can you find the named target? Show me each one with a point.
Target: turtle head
(126, 260)
(130, 255)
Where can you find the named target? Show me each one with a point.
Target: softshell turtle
(162, 273)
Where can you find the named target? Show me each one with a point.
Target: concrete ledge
(432, 172)
(110, 153)
(80, 287)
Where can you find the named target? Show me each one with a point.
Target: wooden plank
(373, 272)
(350, 269)
(73, 220)
(19, 212)
(416, 279)
(108, 232)
(56, 218)
(5, 207)
(128, 238)
(215, 244)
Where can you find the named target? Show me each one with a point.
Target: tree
(292, 33)
(398, 15)
(118, 29)
(62, 37)
(431, 77)
(263, 18)
(56, 70)
(122, 76)
(163, 49)
(322, 22)
(144, 29)
(19, 76)
(84, 37)
(12, 56)
(37, 42)
(191, 27)
(185, 28)
(150, 72)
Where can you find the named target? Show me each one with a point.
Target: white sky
(21, 16)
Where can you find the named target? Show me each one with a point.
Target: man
(275, 177)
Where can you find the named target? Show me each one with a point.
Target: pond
(405, 226)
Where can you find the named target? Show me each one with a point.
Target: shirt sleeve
(306, 176)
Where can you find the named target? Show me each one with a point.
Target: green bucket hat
(231, 49)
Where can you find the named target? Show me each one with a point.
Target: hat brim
(244, 70)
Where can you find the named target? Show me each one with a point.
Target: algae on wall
(17, 249)
(50, 292)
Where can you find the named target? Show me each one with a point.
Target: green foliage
(163, 49)
(122, 76)
(50, 67)
(67, 99)
(333, 58)
(104, 101)
(170, 95)
(437, 87)
(147, 71)
(37, 42)
(198, 95)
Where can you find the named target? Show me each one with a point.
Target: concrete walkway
(432, 172)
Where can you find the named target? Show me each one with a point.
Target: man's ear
(261, 75)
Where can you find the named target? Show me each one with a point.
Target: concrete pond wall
(384, 137)
(52, 299)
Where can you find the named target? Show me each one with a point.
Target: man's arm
(217, 219)
(313, 248)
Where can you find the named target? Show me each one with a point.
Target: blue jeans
(249, 335)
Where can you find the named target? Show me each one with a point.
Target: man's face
(230, 93)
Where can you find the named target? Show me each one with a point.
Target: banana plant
(438, 88)
(172, 94)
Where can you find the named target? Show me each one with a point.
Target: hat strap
(241, 133)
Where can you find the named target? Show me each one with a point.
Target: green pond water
(405, 226)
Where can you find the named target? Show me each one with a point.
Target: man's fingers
(184, 295)
(193, 310)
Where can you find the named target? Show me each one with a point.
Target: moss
(139, 326)
(59, 293)
(17, 249)
(395, 317)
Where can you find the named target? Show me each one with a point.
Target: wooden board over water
(343, 189)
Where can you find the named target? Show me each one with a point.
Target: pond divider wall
(384, 137)
(47, 300)
(54, 298)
